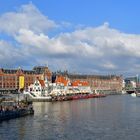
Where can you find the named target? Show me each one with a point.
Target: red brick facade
(9, 78)
(112, 83)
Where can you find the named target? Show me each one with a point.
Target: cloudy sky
(82, 36)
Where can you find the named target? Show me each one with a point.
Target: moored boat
(10, 110)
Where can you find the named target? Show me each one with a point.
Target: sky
(81, 36)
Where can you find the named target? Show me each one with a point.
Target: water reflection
(113, 117)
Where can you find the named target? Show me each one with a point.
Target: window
(36, 83)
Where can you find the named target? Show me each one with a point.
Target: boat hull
(7, 115)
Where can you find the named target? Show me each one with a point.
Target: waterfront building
(103, 83)
(38, 87)
(10, 78)
(112, 83)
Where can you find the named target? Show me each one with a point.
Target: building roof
(29, 71)
(80, 83)
(9, 71)
(79, 76)
(61, 79)
(42, 82)
(14, 71)
(41, 69)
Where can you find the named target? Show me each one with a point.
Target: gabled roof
(15, 71)
(80, 83)
(42, 82)
(61, 79)
(9, 71)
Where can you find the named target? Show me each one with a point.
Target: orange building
(66, 81)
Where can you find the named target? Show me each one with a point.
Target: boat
(133, 94)
(10, 110)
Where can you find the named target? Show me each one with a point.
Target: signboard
(21, 82)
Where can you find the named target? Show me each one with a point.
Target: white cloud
(28, 17)
(109, 65)
(9, 55)
(90, 49)
(100, 47)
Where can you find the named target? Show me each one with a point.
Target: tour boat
(11, 110)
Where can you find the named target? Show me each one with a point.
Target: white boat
(133, 94)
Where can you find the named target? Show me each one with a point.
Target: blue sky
(85, 36)
(121, 14)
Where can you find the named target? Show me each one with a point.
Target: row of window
(12, 85)
(14, 78)
(38, 90)
(7, 87)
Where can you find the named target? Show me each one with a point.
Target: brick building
(9, 78)
(101, 82)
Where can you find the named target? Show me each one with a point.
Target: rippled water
(110, 118)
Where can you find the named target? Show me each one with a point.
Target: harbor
(45, 86)
(58, 87)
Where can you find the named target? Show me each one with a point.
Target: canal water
(115, 117)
